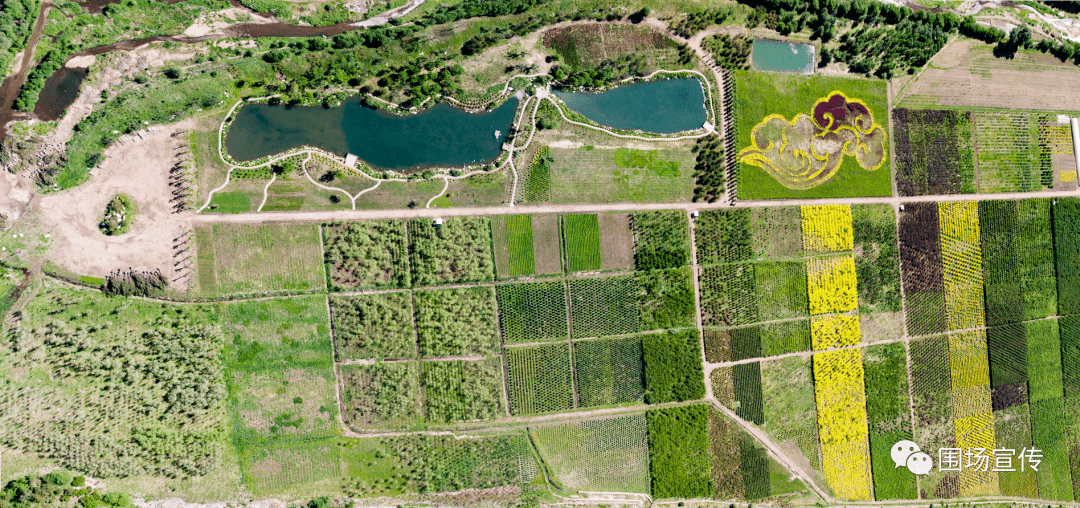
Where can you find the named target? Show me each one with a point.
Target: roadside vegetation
(17, 19)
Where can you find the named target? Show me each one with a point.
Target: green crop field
(749, 392)
(462, 390)
(724, 236)
(514, 245)
(372, 466)
(665, 299)
(274, 331)
(760, 94)
(609, 371)
(781, 290)
(777, 232)
(1009, 152)
(785, 337)
(382, 395)
(877, 257)
(604, 306)
(728, 295)
(673, 370)
(679, 452)
(662, 240)
(374, 326)
(452, 322)
(540, 378)
(581, 237)
(367, 254)
(1012, 429)
(275, 468)
(458, 250)
(259, 259)
(610, 455)
(532, 312)
(889, 418)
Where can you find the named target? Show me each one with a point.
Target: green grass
(584, 175)
(1012, 429)
(382, 395)
(532, 312)
(452, 322)
(789, 405)
(785, 337)
(605, 306)
(540, 378)
(1044, 361)
(609, 371)
(279, 331)
(462, 390)
(243, 259)
(1035, 253)
(759, 94)
(609, 455)
(274, 403)
(230, 202)
(374, 326)
(581, 236)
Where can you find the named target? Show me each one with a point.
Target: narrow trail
(266, 191)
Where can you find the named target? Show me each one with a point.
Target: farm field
(966, 73)
(272, 258)
(771, 174)
(598, 455)
(604, 174)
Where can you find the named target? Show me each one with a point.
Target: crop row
(962, 265)
(971, 407)
(827, 228)
(842, 423)
(934, 152)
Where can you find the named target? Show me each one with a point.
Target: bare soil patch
(616, 242)
(139, 169)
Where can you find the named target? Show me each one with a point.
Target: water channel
(782, 56)
(440, 136)
(663, 107)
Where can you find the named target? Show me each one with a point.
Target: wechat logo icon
(907, 454)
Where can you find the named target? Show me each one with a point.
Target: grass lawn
(592, 175)
(759, 94)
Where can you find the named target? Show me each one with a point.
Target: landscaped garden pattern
(777, 117)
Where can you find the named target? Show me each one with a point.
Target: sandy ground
(139, 169)
(214, 22)
(15, 193)
(116, 71)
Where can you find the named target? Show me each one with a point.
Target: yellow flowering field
(831, 284)
(827, 228)
(837, 330)
(973, 416)
(962, 260)
(842, 423)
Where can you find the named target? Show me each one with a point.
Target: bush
(135, 284)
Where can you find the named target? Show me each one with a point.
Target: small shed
(437, 221)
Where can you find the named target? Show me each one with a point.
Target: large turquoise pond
(441, 136)
(663, 107)
(782, 56)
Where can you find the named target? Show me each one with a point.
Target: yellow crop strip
(831, 284)
(842, 423)
(973, 415)
(837, 330)
(827, 228)
(962, 259)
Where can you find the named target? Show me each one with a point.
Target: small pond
(782, 56)
(663, 107)
(59, 92)
(441, 136)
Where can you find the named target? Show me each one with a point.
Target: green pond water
(441, 136)
(782, 56)
(663, 107)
